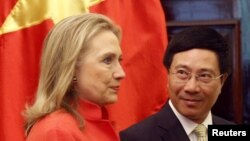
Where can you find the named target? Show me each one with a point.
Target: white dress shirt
(189, 125)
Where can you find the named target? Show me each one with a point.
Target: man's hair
(200, 37)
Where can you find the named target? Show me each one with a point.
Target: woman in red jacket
(80, 74)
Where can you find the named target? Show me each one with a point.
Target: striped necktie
(201, 132)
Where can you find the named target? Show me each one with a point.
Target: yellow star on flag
(27, 13)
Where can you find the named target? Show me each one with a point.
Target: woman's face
(100, 71)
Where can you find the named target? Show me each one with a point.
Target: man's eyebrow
(181, 66)
(207, 70)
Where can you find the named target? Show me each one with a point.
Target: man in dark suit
(197, 61)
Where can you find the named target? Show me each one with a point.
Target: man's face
(192, 96)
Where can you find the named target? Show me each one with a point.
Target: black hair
(200, 37)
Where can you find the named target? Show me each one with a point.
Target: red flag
(144, 40)
(19, 62)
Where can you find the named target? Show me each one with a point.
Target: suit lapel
(170, 128)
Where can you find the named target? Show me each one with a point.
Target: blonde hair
(63, 46)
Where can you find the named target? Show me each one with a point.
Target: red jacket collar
(92, 111)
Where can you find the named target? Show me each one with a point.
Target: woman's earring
(74, 78)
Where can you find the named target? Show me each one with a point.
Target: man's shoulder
(143, 124)
(140, 131)
(150, 128)
(218, 120)
(150, 123)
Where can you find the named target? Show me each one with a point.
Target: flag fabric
(19, 64)
(25, 23)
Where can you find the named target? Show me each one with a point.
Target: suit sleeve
(124, 136)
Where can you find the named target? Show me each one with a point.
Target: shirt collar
(186, 123)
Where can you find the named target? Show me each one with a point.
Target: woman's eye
(107, 60)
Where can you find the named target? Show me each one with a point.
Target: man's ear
(224, 78)
(167, 83)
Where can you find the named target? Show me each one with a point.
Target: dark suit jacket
(162, 126)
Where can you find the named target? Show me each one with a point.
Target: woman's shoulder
(57, 118)
(55, 125)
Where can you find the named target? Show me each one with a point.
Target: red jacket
(62, 126)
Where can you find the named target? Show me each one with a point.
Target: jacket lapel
(170, 128)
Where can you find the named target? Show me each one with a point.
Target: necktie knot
(201, 132)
